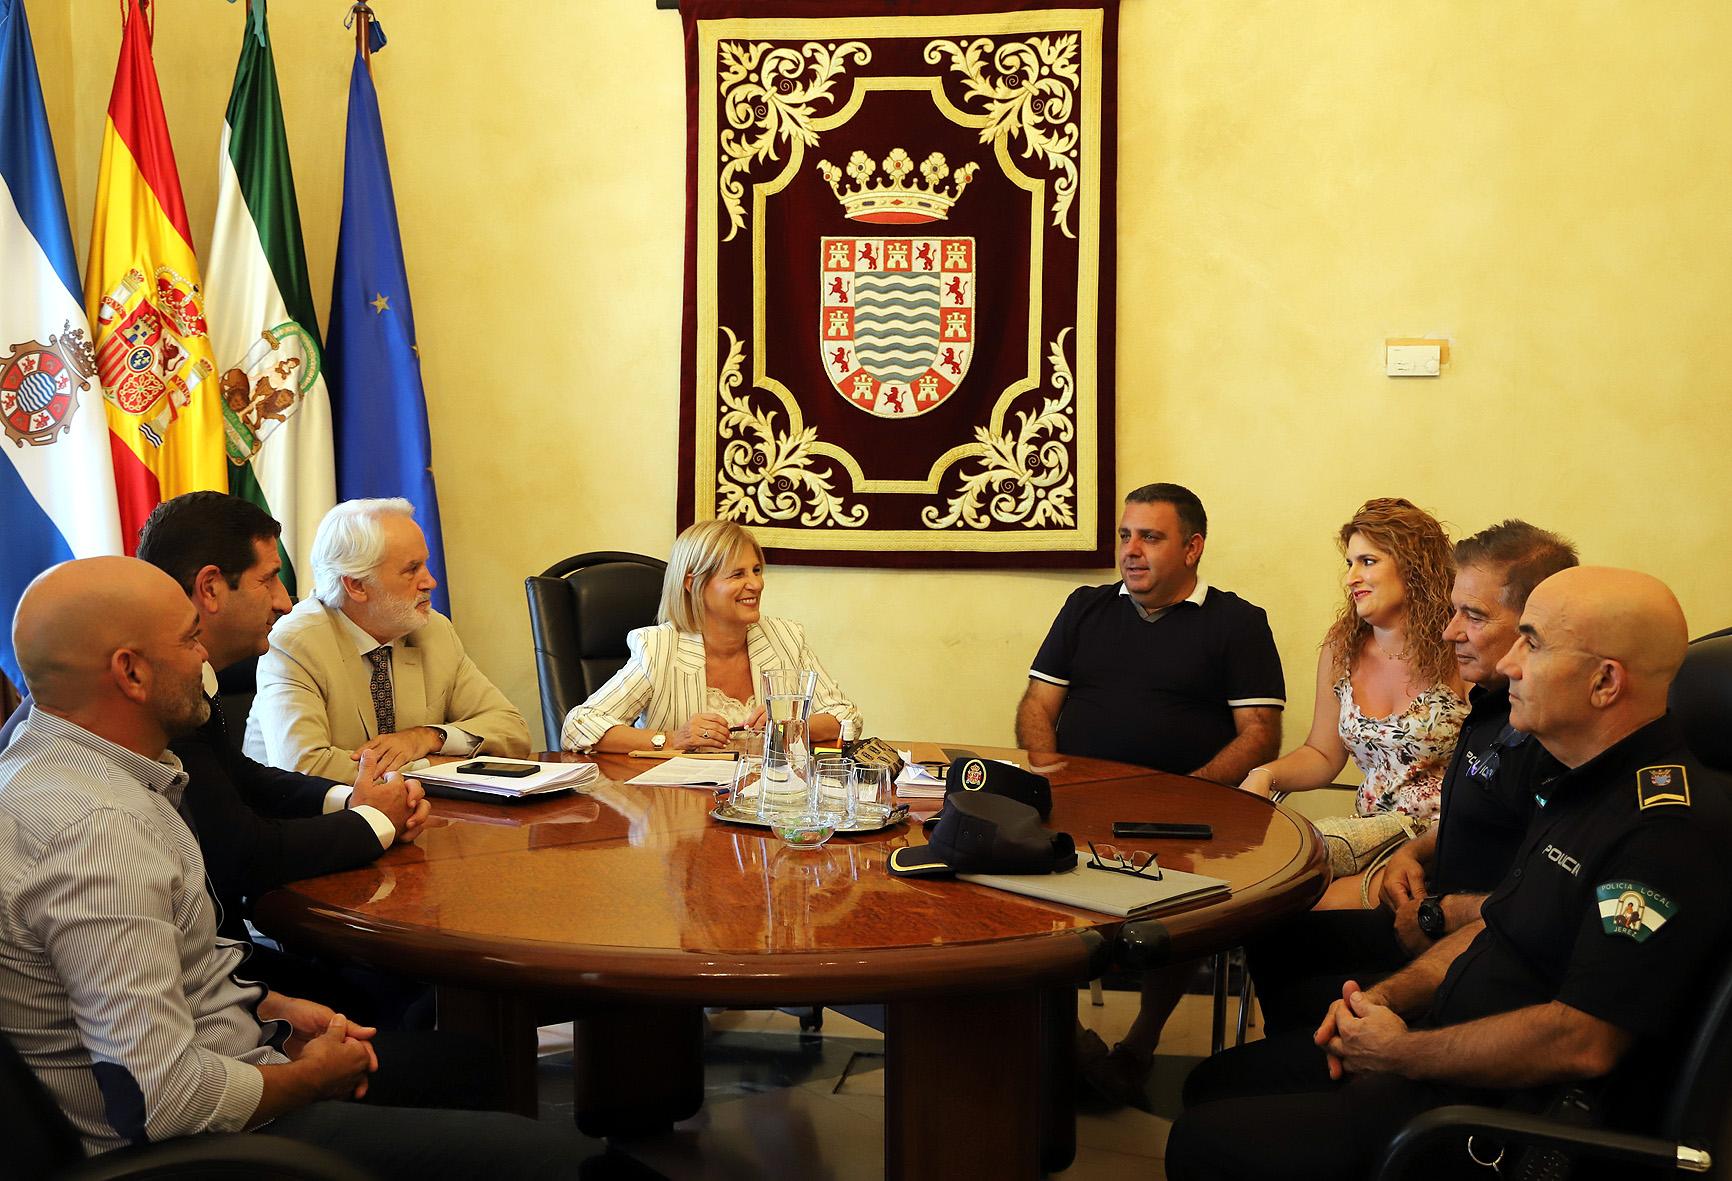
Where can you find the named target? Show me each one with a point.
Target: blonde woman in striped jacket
(695, 674)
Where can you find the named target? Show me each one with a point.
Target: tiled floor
(778, 1105)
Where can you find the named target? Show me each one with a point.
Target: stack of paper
(917, 782)
(682, 771)
(446, 780)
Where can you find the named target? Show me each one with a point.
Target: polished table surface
(635, 897)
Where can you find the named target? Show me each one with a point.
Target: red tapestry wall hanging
(899, 285)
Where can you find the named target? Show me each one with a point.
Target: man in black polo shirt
(1587, 956)
(1158, 669)
(1434, 884)
(1162, 670)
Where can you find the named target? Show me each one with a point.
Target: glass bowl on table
(806, 830)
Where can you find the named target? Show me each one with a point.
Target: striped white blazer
(662, 684)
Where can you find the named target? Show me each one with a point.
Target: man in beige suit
(367, 665)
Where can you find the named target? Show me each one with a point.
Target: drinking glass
(748, 786)
(835, 782)
(870, 793)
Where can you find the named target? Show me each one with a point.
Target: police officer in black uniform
(1588, 954)
(1435, 883)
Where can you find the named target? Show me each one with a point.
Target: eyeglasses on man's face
(1136, 862)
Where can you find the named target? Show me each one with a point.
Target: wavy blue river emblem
(896, 320)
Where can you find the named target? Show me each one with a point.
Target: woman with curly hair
(1388, 692)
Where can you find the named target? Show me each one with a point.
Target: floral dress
(1404, 755)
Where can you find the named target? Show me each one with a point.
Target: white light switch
(1413, 360)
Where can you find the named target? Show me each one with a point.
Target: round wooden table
(634, 907)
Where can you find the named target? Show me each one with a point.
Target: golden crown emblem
(76, 349)
(894, 198)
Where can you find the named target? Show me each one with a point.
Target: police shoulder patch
(1656, 786)
(1632, 910)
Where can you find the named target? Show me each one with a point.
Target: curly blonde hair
(1420, 549)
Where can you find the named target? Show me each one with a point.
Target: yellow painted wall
(1547, 184)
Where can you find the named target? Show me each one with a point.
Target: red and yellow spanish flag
(146, 305)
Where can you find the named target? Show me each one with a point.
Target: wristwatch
(1430, 916)
(658, 739)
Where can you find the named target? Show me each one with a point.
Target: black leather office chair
(41, 1143)
(1701, 699)
(579, 613)
(1693, 1135)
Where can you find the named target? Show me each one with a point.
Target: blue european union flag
(378, 406)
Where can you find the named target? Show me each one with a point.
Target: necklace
(1398, 657)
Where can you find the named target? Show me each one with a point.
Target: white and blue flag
(56, 475)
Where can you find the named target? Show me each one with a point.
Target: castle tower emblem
(896, 313)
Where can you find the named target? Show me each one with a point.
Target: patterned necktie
(384, 710)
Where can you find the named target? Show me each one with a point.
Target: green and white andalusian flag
(260, 308)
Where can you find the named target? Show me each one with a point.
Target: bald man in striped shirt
(114, 986)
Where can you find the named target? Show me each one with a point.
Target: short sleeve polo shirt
(1158, 691)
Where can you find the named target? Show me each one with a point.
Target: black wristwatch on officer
(1430, 917)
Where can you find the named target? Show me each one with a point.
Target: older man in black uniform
(1434, 884)
(1587, 954)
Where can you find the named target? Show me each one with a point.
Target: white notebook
(547, 777)
(1120, 894)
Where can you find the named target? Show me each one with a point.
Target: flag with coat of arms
(146, 303)
(56, 479)
(277, 414)
(379, 405)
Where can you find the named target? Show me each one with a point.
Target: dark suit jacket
(257, 826)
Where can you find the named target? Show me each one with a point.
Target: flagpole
(383, 444)
(363, 17)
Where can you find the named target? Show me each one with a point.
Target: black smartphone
(503, 770)
(1163, 832)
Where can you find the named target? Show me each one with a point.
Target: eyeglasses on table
(1136, 862)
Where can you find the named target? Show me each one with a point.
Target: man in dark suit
(260, 826)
